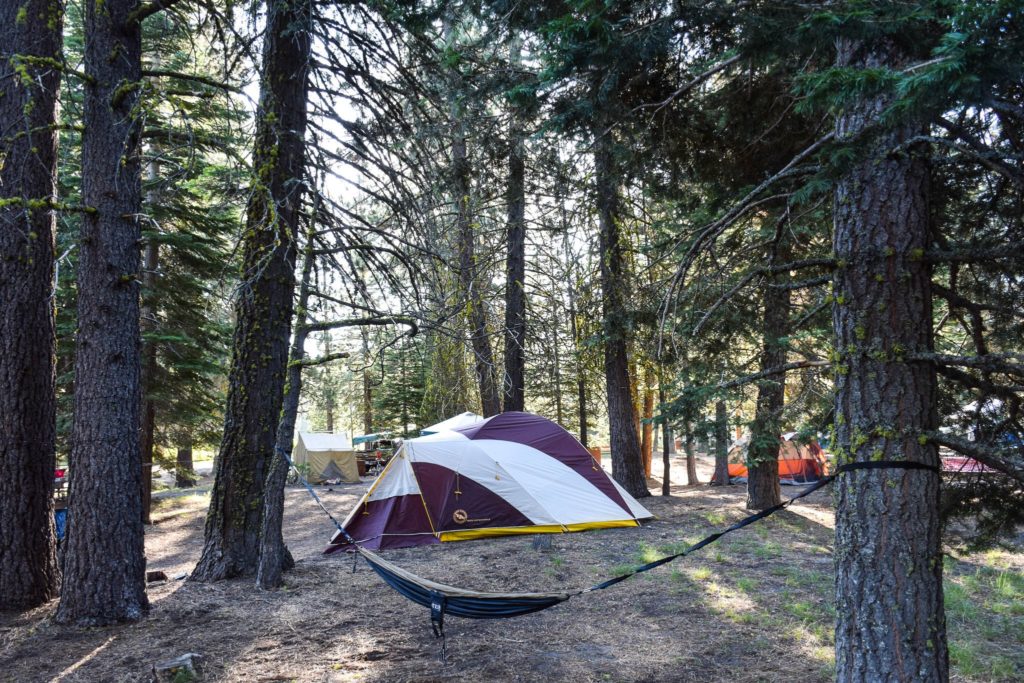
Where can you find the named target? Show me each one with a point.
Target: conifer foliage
(712, 219)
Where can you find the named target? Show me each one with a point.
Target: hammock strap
(821, 483)
(442, 599)
(319, 502)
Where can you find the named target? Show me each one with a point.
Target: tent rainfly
(460, 420)
(321, 451)
(798, 463)
(514, 473)
(367, 438)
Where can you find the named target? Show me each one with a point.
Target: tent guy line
(442, 599)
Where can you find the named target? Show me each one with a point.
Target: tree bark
(329, 407)
(763, 452)
(515, 268)
(184, 475)
(666, 447)
(627, 464)
(148, 325)
(890, 621)
(263, 308)
(28, 172)
(367, 382)
(647, 428)
(274, 557)
(476, 315)
(581, 382)
(721, 476)
(105, 563)
(691, 459)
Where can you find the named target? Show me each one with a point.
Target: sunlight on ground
(984, 607)
(824, 517)
(84, 660)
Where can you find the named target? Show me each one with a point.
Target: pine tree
(189, 191)
(263, 308)
(104, 569)
(30, 74)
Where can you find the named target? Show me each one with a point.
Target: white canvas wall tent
(329, 456)
(514, 473)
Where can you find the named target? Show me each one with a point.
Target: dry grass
(755, 606)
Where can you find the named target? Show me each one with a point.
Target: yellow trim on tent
(613, 524)
(423, 500)
(489, 532)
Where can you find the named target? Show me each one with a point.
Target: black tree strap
(821, 483)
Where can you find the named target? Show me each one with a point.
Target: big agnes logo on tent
(460, 516)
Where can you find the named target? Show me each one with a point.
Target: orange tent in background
(798, 463)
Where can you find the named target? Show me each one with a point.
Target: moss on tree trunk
(263, 308)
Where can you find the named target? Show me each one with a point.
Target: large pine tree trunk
(627, 463)
(274, 556)
(263, 309)
(28, 170)
(890, 620)
(515, 269)
(763, 454)
(105, 563)
(721, 476)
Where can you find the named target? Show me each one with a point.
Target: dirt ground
(756, 606)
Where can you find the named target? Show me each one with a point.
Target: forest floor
(756, 606)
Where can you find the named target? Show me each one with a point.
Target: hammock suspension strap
(442, 599)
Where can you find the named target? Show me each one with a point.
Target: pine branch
(985, 155)
(689, 85)
(310, 362)
(1009, 392)
(361, 322)
(958, 300)
(711, 232)
(1007, 461)
(773, 269)
(795, 365)
(968, 254)
(163, 73)
(803, 284)
(992, 362)
(149, 9)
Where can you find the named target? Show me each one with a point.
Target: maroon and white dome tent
(514, 473)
